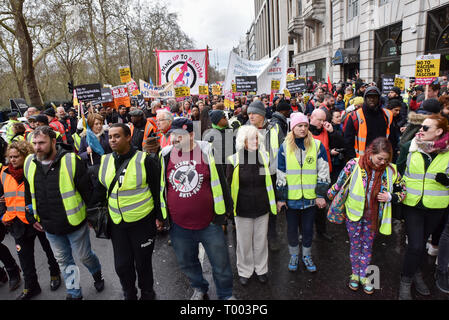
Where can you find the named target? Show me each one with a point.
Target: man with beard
(368, 123)
(57, 189)
(194, 194)
(132, 179)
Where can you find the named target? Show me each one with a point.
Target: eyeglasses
(425, 128)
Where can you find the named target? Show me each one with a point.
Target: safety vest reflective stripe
(14, 195)
(132, 199)
(74, 205)
(302, 181)
(355, 202)
(76, 141)
(149, 127)
(421, 184)
(234, 160)
(360, 140)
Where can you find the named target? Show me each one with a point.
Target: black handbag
(98, 217)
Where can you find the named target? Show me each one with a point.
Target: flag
(93, 141)
(75, 99)
(329, 83)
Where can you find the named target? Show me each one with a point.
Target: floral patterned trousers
(361, 239)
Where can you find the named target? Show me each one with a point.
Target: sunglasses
(425, 128)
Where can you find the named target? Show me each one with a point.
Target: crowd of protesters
(341, 153)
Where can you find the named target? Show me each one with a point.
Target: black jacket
(281, 120)
(50, 207)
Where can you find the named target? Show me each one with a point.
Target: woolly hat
(257, 107)
(216, 116)
(297, 118)
(431, 106)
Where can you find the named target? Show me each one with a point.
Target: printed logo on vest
(309, 160)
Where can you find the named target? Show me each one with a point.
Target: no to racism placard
(427, 68)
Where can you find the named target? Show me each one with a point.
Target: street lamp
(129, 51)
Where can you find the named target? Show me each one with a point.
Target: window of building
(316, 70)
(387, 50)
(382, 2)
(299, 7)
(437, 36)
(353, 9)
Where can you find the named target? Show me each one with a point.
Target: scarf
(17, 174)
(439, 146)
(372, 206)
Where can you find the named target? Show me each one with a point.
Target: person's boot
(420, 285)
(14, 277)
(147, 295)
(405, 288)
(55, 282)
(3, 276)
(130, 294)
(29, 293)
(98, 281)
(442, 281)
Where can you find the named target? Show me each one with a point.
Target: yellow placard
(234, 88)
(203, 90)
(428, 66)
(400, 83)
(216, 90)
(287, 93)
(125, 74)
(275, 85)
(290, 77)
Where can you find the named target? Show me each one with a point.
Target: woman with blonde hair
(303, 179)
(12, 189)
(252, 190)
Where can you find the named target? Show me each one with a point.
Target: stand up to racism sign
(183, 67)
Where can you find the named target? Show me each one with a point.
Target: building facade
(349, 37)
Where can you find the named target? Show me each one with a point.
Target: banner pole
(157, 69)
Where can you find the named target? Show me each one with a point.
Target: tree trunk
(26, 53)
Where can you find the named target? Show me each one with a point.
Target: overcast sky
(217, 23)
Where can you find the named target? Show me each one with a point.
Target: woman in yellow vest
(252, 191)
(19, 132)
(368, 205)
(425, 163)
(303, 179)
(12, 188)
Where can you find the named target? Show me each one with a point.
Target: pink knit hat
(297, 118)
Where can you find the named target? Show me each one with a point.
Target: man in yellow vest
(9, 127)
(57, 188)
(131, 179)
(194, 194)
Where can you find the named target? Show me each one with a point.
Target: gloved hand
(442, 178)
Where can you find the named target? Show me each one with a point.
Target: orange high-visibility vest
(14, 198)
(150, 128)
(57, 126)
(362, 132)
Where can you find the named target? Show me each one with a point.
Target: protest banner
(88, 92)
(387, 83)
(106, 96)
(165, 91)
(121, 96)
(133, 88)
(246, 83)
(185, 67)
(265, 70)
(427, 68)
(290, 77)
(125, 74)
(287, 94)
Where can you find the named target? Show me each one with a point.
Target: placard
(399, 81)
(427, 68)
(246, 83)
(88, 92)
(125, 74)
(296, 86)
(387, 83)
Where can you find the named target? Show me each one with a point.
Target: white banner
(183, 67)
(158, 92)
(274, 68)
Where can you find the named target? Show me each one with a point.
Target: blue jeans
(185, 243)
(307, 217)
(79, 242)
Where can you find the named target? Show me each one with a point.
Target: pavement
(328, 283)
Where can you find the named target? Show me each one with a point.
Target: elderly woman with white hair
(253, 195)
